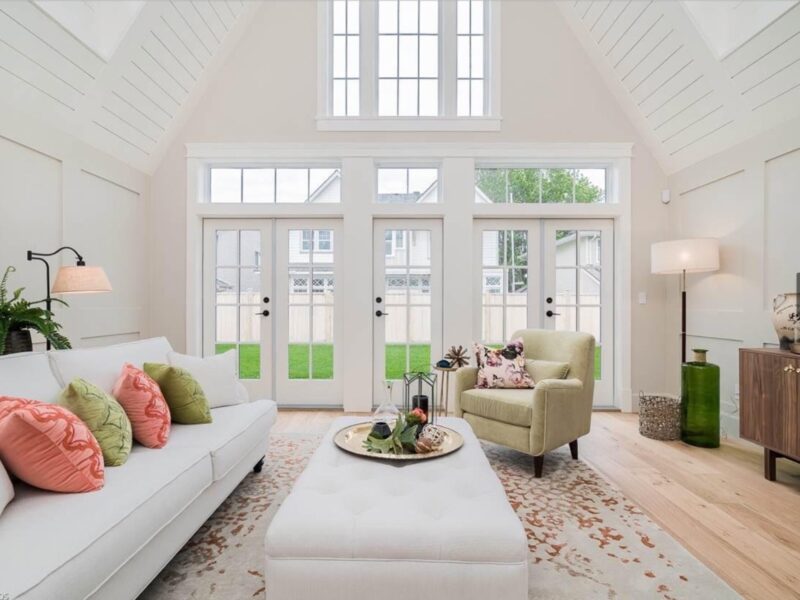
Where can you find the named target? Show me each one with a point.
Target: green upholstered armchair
(535, 421)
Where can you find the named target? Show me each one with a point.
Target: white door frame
(306, 392)
(257, 388)
(380, 226)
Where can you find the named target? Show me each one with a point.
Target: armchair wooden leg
(573, 448)
(259, 465)
(538, 466)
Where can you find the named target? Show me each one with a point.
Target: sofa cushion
(215, 374)
(102, 366)
(145, 406)
(28, 375)
(187, 401)
(104, 417)
(507, 406)
(234, 431)
(47, 446)
(67, 545)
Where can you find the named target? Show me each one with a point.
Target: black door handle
(380, 313)
(263, 313)
(550, 313)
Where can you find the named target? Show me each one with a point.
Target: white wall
(749, 198)
(266, 92)
(58, 191)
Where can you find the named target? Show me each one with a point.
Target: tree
(537, 185)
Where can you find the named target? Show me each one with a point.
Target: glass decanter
(385, 416)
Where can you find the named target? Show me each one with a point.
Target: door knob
(549, 300)
(266, 299)
(378, 299)
(263, 313)
(550, 313)
(380, 313)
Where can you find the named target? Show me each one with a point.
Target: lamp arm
(33, 255)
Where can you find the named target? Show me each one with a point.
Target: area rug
(586, 539)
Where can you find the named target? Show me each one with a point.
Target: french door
(549, 274)
(407, 302)
(270, 294)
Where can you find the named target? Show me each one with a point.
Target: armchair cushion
(514, 407)
(546, 369)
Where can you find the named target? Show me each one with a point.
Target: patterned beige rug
(586, 539)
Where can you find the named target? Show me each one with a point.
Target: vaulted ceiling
(127, 101)
(689, 99)
(125, 82)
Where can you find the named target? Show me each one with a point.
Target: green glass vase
(700, 402)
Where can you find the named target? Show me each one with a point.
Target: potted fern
(18, 318)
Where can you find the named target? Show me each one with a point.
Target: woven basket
(660, 417)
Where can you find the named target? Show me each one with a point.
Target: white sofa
(111, 543)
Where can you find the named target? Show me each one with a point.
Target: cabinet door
(770, 389)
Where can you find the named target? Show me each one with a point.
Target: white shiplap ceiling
(688, 103)
(131, 104)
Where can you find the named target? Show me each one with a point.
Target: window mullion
(448, 53)
(368, 52)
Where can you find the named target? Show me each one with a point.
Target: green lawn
(322, 360)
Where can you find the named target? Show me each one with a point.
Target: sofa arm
(466, 378)
(562, 412)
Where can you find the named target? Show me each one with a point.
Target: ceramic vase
(785, 318)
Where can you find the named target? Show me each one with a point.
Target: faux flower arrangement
(408, 436)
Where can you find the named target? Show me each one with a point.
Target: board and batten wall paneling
(58, 191)
(749, 198)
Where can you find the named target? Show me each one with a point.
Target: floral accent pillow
(145, 406)
(502, 367)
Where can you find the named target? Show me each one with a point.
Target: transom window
(533, 185)
(407, 59)
(397, 185)
(289, 185)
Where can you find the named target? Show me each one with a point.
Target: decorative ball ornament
(458, 357)
(430, 439)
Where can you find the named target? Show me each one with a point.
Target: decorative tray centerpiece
(409, 438)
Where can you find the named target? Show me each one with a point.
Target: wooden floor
(716, 503)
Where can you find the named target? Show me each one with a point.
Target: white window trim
(448, 120)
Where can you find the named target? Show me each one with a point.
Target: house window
(281, 185)
(408, 185)
(408, 58)
(534, 185)
(320, 240)
(394, 241)
(408, 64)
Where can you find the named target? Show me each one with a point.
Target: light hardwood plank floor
(716, 503)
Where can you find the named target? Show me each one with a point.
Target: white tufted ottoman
(354, 528)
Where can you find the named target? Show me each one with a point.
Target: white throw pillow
(6, 488)
(215, 374)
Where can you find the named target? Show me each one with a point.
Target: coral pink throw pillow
(48, 447)
(145, 405)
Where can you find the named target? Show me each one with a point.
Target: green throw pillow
(546, 369)
(104, 417)
(186, 400)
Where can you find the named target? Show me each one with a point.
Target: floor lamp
(681, 257)
(79, 279)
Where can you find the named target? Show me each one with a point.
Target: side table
(444, 388)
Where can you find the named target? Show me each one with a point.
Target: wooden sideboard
(769, 393)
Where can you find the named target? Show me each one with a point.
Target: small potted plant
(18, 317)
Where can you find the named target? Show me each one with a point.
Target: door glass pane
(579, 281)
(407, 324)
(238, 298)
(504, 286)
(311, 303)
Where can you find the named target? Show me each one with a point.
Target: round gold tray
(351, 439)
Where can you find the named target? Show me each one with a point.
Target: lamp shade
(81, 280)
(692, 255)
